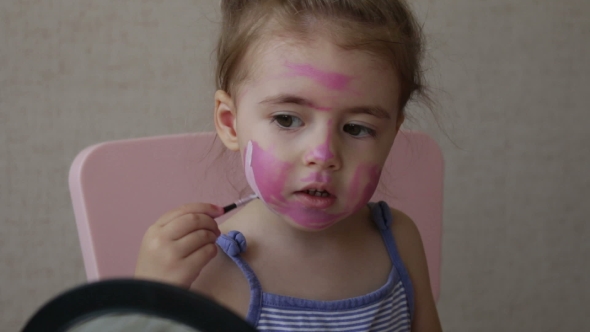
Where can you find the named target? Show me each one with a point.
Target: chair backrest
(120, 188)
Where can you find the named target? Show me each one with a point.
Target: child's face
(314, 124)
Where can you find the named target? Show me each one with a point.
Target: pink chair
(120, 188)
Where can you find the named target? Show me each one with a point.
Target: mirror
(133, 305)
(129, 322)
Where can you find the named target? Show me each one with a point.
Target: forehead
(320, 67)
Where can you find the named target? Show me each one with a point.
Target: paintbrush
(239, 203)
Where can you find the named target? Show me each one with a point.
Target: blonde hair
(384, 28)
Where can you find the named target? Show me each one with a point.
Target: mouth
(317, 193)
(317, 189)
(316, 197)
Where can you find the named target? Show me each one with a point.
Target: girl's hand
(177, 247)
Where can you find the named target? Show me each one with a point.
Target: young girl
(312, 94)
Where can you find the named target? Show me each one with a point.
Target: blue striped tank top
(390, 308)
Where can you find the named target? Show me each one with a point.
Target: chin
(305, 218)
(315, 222)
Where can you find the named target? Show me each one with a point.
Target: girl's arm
(412, 254)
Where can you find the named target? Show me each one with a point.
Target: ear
(225, 120)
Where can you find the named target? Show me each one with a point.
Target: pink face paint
(360, 190)
(322, 152)
(268, 177)
(318, 177)
(330, 80)
(250, 172)
(363, 186)
(323, 109)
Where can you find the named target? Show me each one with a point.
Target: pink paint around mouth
(331, 80)
(268, 176)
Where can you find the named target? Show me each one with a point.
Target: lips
(318, 189)
(316, 196)
(317, 193)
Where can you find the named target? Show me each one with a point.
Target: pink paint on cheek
(363, 186)
(265, 173)
(331, 80)
(250, 171)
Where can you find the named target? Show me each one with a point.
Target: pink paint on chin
(269, 176)
(331, 80)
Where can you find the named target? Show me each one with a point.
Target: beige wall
(512, 78)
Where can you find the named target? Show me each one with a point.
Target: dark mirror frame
(134, 297)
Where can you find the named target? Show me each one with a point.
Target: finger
(189, 223)
(211, 210)
(200, 257)
(193, 242)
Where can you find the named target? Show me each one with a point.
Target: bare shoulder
(403, 227)
(223, 281)
(411, 250)
(407, 238)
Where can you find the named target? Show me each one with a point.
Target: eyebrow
(376, 111)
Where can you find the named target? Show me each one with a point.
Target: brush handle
(245, 200)
(239, 202)
(230, 207)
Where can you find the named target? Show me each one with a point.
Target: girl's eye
(287, 121)
(358, 130)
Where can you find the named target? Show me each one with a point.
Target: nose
(322, 154)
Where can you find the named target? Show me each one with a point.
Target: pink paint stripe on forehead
(331, 80)
(320, 108)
